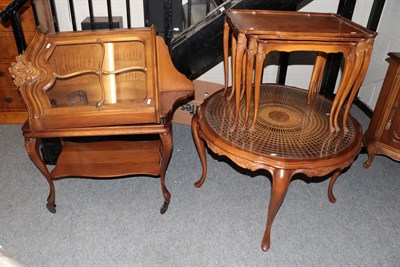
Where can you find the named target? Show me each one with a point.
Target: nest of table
(287, 127)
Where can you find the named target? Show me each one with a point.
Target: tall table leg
(349, 60)
(200, 149)
(32, 148)
(240, 50)
(366, 51)
(280, 184)
(251, 53)
(166, 150)
(356, 59)
(226, 55)
(262, 52)
(317, 75)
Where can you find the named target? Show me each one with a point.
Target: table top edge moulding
(295, 26)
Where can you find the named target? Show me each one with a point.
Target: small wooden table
(290, 137)
(292, 130)
(254, 35)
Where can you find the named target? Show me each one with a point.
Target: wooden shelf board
(108, 159)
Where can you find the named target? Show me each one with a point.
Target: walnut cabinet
(383, 134)
(114, 90)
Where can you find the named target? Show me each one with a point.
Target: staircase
(199, 48)
(194, 50)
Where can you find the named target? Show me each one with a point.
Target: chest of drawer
(8, 47)
(5, 76)
(27, 20)
(11, 100)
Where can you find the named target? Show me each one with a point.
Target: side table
(290, 137)
(296, 31)
(293, 130)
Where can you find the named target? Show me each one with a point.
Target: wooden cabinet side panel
(385, 101)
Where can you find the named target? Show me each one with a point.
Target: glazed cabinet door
(97, 78)
(391, 135)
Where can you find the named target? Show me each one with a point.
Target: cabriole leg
(280, 184)
(335, 175)
(166, 150)
(32, 148)
(200, 149)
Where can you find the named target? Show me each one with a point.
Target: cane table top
(287, 127)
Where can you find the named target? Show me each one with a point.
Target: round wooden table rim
(212, 138)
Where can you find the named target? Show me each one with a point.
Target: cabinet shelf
(108, 159)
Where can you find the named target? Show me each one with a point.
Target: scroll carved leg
(335, 175)
(32, 148)
(280, 184)
(166, 150)
(200, 149)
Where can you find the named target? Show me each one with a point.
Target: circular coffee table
(289, 137)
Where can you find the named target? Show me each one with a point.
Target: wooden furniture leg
(240, 50)
(260, 58)
(366, 57)
(251, 53)
(32, 148)
(355, 72)
(233, 66)
(166, 150)
(200, 149)
(331, 196)
(372, 151)
(280, 184)
(226, 55)
(243, 75)
(348, 66)
(317, 75)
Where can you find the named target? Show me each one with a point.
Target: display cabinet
(383, 134)
(108, 95)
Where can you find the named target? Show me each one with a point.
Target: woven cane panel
(287, 127)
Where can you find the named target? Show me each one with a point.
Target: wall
(388, 40)
(99, 9)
